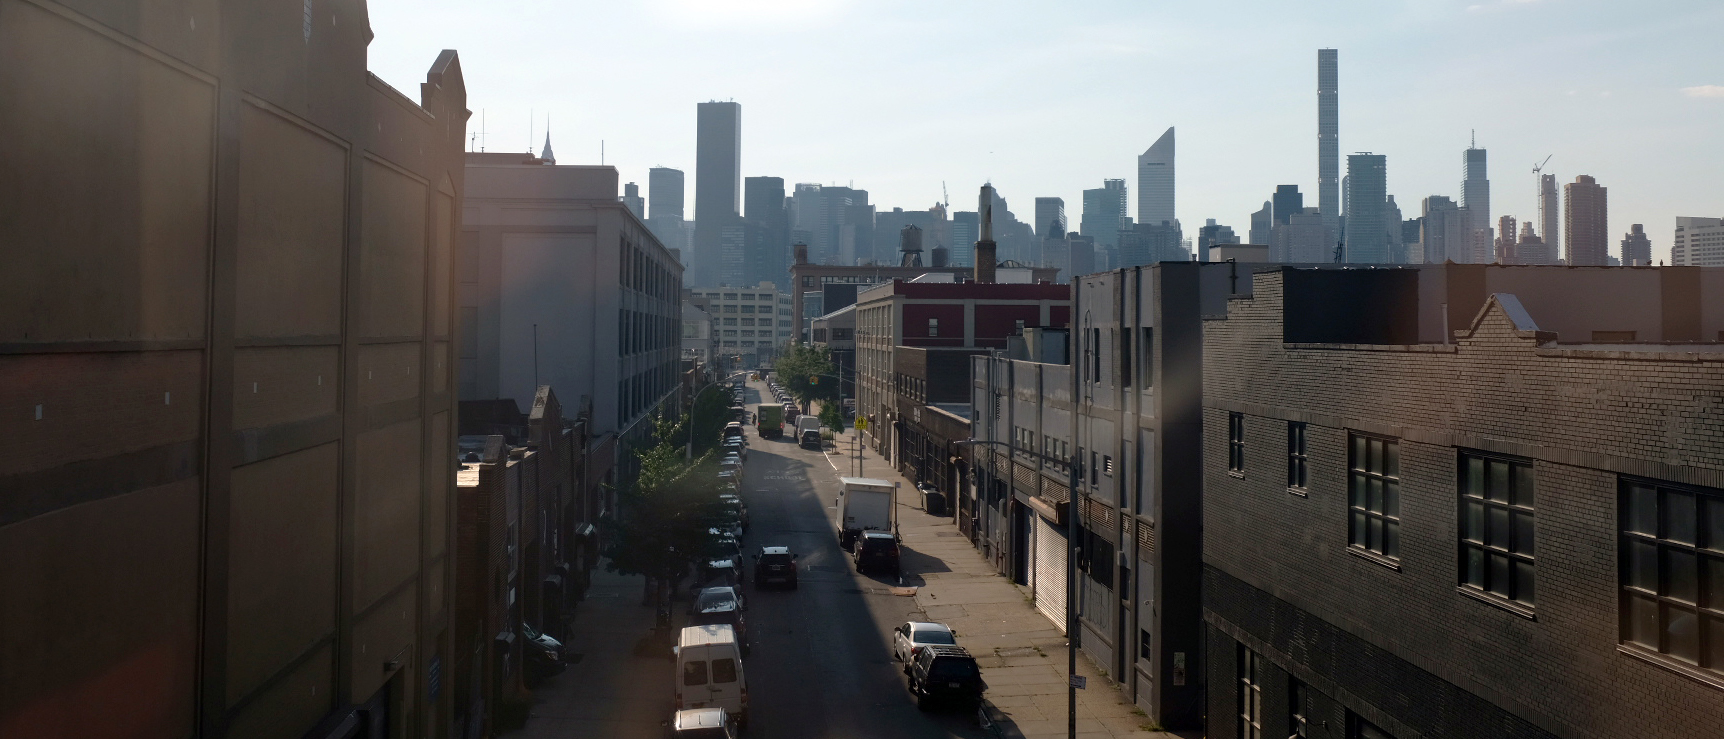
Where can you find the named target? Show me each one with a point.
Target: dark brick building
(1512, 531)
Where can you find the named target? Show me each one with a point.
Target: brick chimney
(985, 246)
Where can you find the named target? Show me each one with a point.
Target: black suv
(875, 551)
(945, 674)
(775, 564)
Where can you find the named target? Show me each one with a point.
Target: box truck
(769, 421)
(864, 504)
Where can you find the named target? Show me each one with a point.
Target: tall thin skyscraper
(1476, 201)
(632, 198)
(1367, 228)
(1586, 207)
(1104, 210)
(1549, 209)
(1328, 137)
(717, 182)
(1636, 248)
(966, 229)
(1155, 181)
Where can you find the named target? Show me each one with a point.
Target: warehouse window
(1250, 693)
(933, 327)
(1236, 443)
(1672, 571)
(1297, 461)
(1496, 527)
(1374, 495)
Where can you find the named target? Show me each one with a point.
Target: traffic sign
(862, 422)
(1078, 681)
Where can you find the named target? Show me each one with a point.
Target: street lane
(821, 665)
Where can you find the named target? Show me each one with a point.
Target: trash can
(934, 502)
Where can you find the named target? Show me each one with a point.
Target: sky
(920, 101)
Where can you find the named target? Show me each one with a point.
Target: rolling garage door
(1051, 551)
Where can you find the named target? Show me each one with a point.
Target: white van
(709, 671)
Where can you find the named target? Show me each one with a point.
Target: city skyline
(1415, 81)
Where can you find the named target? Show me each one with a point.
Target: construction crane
(945, 197)
(1538, 168)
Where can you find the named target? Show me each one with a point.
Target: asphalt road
(821, 664)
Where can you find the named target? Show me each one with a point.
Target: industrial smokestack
(985, 246)
(940, 256)
(801, 253)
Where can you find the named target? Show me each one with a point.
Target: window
(1299, 709)
(1107, 465)
(1020, 327)
(1143, 644)
(1673, 571)
(1496, 527)
(694, 673)
(1250, 693)
(748, 296)
(748, 309)
(1296, 457)
(724, 670)
(730, 309)
(1374, 495)
(1359, 728)
(1146, 362)
(1125, 358)
(933, 327)
(730, 322)
(1236, 443)
(1095, 355)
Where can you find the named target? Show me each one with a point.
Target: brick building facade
(1514, 533)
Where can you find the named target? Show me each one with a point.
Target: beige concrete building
(226, 374)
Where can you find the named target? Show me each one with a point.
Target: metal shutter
(1050, 571)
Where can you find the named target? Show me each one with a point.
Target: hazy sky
(1050, 98)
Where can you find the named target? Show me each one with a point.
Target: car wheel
(923, 703)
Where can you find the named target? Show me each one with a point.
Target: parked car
(728, 545)
(735, 445)
(909, 639)
(775, 565)
(734, 503)
(876, 551)
(544, 654)
(702, 723)
(709, 671)
(731, 476)
(941, 674)
(732, 464)
(718, 573)
(732, 429)
(721, 605)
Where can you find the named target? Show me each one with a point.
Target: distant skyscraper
(1288, 201)
(1531, 249)
(1392, 229)
(664, 209)
(1104, 210)
(1155, 182)
(1476, 201)
(717, 182)
(664, 192)
(965, 230)
(838, 233)
(1587, 224)
(1699, 242)
(1304, 239)
(1051, 218)
(1261, 223)
(1212, 234)
(1367, 228)
(633, 201)
(1505, 244)
(1148, 243)
(763, 206)
(1549, 209)
(1328, 136)
(1636, 248)
(1446, 232)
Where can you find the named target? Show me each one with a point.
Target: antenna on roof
(532, 116)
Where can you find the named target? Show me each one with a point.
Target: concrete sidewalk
(1022, 653)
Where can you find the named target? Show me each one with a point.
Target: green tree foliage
(663, 525)
(711, 413)
(832, 416)
(800, 369)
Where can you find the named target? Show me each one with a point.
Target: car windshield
(932, 636)
(952, 668)
(715, 600)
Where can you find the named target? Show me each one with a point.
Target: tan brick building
(226, 378)
(1508, 533)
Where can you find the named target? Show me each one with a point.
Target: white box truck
(709, 671)
(864, 504)
(808, 431)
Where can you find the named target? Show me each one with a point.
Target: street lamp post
(1073, 480)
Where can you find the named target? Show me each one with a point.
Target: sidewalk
(1022, 653)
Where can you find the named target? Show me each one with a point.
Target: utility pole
(1075, 479)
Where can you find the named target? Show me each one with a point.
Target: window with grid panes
(1250, 693)
(1236, 442)
(1374, 495)
(1496, 527)
(1297, 461)
(1359, 728)
(1673, 572)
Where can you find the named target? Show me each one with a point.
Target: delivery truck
(808, 431)
(864, 504)
(769, 421)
